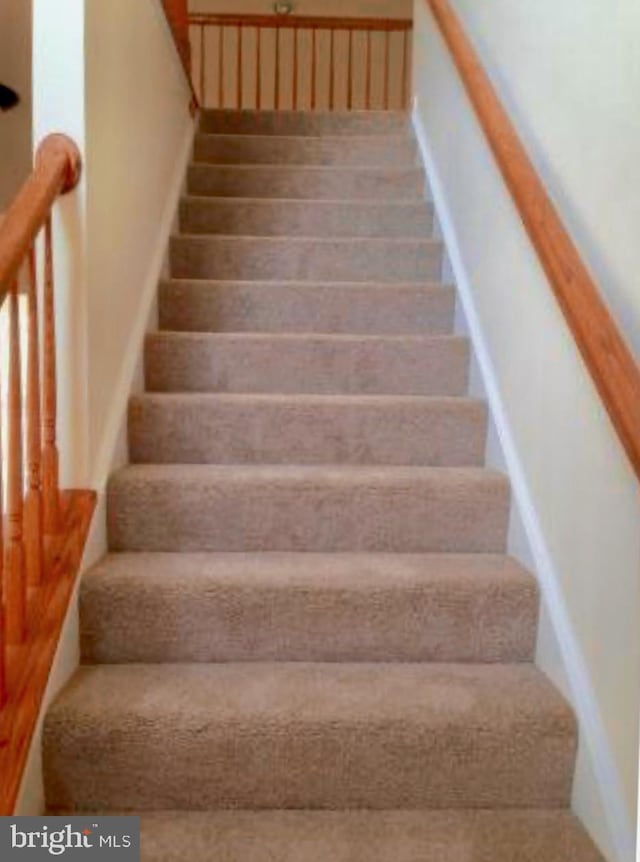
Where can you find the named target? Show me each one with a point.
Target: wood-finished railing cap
(604, 349)
(57, 170)
(292, 22)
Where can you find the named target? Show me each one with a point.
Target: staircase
(307, 643)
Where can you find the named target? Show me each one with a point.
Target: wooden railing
(610, 361)
(42, 531)
(296, 62)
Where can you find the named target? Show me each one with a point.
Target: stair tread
(392, 137)
(330, 571)
(427, 287)
(309, 735)
(148, 607)
(309, 337)
(268, 203)
(304, 240)
(366, 836)
(311, 168)
(178, 697)
(347, 473)
(274, 181)
(453, 402)
(302, 123)
(321, 429)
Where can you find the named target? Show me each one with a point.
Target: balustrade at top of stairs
(308, 641)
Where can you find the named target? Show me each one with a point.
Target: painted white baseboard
(594, 737)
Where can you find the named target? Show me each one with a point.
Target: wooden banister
(300, 22)
(42, 531)
(295, 63)
(609, 359)
(56, 172)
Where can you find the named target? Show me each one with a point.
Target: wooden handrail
(307, 22)
(282, 75)
(609, 359)
(56, 172)
(42, 532)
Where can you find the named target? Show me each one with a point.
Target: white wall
(15, 72)
(137, 124)
(578, 501)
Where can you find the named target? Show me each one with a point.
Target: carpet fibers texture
(307, 643)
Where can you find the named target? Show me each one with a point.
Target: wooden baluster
(332, 69)
(314, 62)
(258, 68)
(221, 67)
(16, 582)
(368, 65)
(294, 97)
(33, 523)
(350, 72)
(239, 70)
(405, 69)
(387, 53)
(276, 97)
(50, 468)
(3, 621)
(203, 65)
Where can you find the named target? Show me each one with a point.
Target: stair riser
(252, 514)
(204, 363)
(358, 152)
(303, 123)
(307, 183)
(304, 218)
(380, 836)
(187, 430)
(196, 620)
(250, 258)
(250, 766)
(316, 308)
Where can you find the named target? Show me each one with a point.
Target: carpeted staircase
(307, 644)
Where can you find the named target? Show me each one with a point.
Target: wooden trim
(297, 22)
(294, 94)
(350, 72)
(609, 359)
(332, 68)
(258, 68)
(387, 69)
(314, 68)
(220, 66)
(29, 664)
(15, 574)
(57, 171)
(276, 94)
(203, 66)
(239, 31)
(33, 514)
(367, 95)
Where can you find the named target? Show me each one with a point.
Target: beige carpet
(308, 643)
